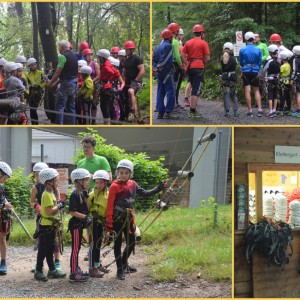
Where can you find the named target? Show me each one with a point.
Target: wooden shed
(265, 158)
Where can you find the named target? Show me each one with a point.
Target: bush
(18, 191)
(147, 173)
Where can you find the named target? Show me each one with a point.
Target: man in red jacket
(107, 74)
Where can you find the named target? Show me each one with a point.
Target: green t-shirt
(264, 50)
(48, 199)
(94, 164)
(61, 61)
(176, 53)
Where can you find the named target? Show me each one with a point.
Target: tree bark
(69, 6)
(35, 30)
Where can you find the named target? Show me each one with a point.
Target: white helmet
(180, 31)
(10, 66)
(122, 52)
(272, 48)
(114, 61)
(125, 163)
(82, 63)
(249, 35)
(3, 61)
(47, 174)
(19, 66)
(40, 166)
(31, 61)
(228, 45)
(285, 54)
(5, 168)
(80, 174)
(101, 174)
(21, 59)
(103, 53)
(86, 70)
(296, 49)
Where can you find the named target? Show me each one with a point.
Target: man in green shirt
(93, 162)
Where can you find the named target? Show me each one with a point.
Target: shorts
(272, 91)
(250, 78)
(5, 224)
(196, 78)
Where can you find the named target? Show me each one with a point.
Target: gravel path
(212, 112)
(19, 281)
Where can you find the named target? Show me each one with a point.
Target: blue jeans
(65, 101)
(165, 87)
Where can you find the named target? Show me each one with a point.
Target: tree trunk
(169, 14)
(69, 6)
(297, 19)
(77, 28)
(35, 38)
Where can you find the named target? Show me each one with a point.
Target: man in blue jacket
(250, 61)
(162, 63)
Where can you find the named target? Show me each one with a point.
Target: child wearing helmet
(285, 96)
(97, 203)
(295, 78)
(120, 216)
(80, 219)
(13, 84)
(49, 207)
(36, 83)
(272, 72)
(229, 78)
(85, 94)
(35, 202)
(5, 220)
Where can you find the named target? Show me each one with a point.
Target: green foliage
(18, 190)
(144, 96)
(146, 173)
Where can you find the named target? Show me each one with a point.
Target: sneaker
(179, 106)
(94, 272)
(103, 269)
(40, 276)
(177, 109)
(250, 114)
(236, 114)
(3, 269)
(160, 116)
(280, 112)
(227, 115)
(194, 115)
(129, 269)
(56, 274)
(287, 112)
(187, 102)
(120, 274)
(81, 272)
(131, 117)
(270, 115)
(77, 277)
(170, 116)
(33, 269)
(260, 113)
(57, 266)
(295, 114)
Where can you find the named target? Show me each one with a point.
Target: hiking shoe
(81, 272)
(94, 272)
(129, 269)
(260, 113)
(57, 266)
(3, 269)
(103, 269)
(40, 276)
(187, 102)
(56, 274)
(160, 116)
(227, 115)
(120, 274)
(236, 114)
(33, 269)
(194, 115)
(131, 117)
(250, 114)
(170, 115)
(295, 114)
(77, 277)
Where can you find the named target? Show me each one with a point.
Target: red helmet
(129, 45)
(87, 51)
(83, 45)
(173, 27)
(275, 37)
(198, 28)
(166, 33)
(115, 50)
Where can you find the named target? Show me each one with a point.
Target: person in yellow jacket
(36, 81)
(86, 93)
(97, 203)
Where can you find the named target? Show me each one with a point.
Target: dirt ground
(19, 281)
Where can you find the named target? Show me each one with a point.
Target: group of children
(106, 214)
(279, 75)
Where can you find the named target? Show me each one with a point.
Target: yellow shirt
(48, 200)
(97, 201)
(285, 72)
(87, 88)
(35, 77)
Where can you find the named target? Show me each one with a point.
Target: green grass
(180, 241)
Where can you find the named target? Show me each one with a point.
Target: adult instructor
(93, 162)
